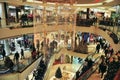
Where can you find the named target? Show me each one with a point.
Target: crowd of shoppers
(86, 22)
(15, 61)
(24, 20)
(86, 66)
(110, 63)
(38, 74)
(113, 65)
(102, 68)
(108, 21)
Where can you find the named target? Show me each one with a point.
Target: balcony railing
(20, 67)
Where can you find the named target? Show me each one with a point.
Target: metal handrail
(89, 70)
(86, 58)
(50, 65)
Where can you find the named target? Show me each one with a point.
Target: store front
(11, 45)
(11, 14)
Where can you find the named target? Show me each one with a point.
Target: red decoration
(97, 0)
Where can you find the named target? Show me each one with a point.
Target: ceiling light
(96, 4)
(38, 1)
(108, 1)
(111, 9)
(50, 3)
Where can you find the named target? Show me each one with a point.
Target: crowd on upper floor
(110, 61)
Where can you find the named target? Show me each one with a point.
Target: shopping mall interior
(59, 39)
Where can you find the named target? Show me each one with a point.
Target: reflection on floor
(63, 51)
(95, 76)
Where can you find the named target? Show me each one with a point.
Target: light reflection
(95, 4)
(108, 1)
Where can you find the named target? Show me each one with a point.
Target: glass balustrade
(17, 67)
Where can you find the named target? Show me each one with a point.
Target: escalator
(91, 70)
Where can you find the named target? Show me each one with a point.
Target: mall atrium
(59, 39)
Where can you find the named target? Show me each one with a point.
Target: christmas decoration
(58, 73)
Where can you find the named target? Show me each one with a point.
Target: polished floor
(91, 49)
(94, 76)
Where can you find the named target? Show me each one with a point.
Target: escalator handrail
(96, 63)
(48, 67)
(20, 71)
(86, 58)
(117, 76)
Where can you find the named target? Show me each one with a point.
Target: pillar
(3, 14)
(17, 16)
(88, 10)
(71, 59)
(6, 47)
(44, 31)
(74, 32)
(56, 12)
(118, 12)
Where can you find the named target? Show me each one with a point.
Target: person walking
(97, 48)
(102, 68)
(8, 63)
(38, 45)
(77, 75)
(33, 54)
(22, 54)
(0, 22)
(34, 74)
(3, 53)
(16, 57)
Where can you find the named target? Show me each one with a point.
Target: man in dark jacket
(16, 57)
(77, 75)
(0, 21)
(22, 54)
(3, 53)
(102, 68)
(97, 48)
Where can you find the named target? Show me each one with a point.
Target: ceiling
(84, 3)
(89, 1)
(112, 3)
(74, 1)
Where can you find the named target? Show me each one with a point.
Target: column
(71, 24)
(56, 12)
(117, 12)
(17, 16)
(3, 14)
(88, 10)
(44, 31)
(74, 31)
(6, 47)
